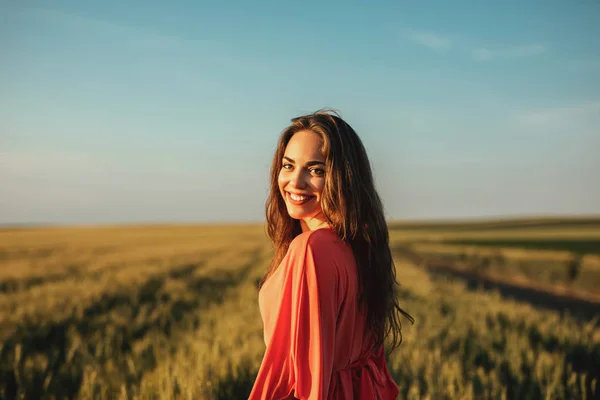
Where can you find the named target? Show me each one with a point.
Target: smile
(297, 199)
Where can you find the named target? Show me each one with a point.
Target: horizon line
(424, 221)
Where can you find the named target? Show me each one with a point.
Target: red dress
(313, 329)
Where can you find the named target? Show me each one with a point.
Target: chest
(269, 300)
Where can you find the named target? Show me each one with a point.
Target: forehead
(305, 145)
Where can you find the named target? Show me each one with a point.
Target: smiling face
(302, 179)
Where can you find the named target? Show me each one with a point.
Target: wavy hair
(353, 209)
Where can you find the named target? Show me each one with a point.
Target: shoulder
(314, 255)
(321, 248)
(324, 257)
(318, 241)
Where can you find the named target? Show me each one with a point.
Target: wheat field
(171, 312)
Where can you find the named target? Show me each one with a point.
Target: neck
(313, 224)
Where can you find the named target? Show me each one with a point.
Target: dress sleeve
(298, 360)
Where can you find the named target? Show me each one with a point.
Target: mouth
(298, 199)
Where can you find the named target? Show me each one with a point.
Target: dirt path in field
(585, 306)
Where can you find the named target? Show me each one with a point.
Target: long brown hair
(353, 209)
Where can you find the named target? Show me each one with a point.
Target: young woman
(328, 301)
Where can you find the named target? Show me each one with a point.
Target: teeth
(297, 197)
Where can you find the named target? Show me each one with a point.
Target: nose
(298, 179)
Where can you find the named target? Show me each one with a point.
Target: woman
(328, 300)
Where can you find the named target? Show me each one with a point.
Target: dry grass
(172, 313)
(554, 251)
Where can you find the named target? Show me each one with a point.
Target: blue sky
(147, 112)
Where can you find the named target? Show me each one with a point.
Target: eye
(318, 171)
(287, 166)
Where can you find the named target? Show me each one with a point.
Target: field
(562, 253)
(170, 312)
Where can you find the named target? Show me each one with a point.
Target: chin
(296, 215)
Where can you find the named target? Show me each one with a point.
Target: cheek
(319, 186)
(281, 181)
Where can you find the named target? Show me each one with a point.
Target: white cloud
(152, 41)
(485, 54)
(482, 54)
(581, 120)
(135, 37)
(438, 42)
(548, 116)
(525, 50)
(429, 39)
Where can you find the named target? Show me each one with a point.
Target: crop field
(171, 312)
(558, 252)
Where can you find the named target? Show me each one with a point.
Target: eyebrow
(308, 164)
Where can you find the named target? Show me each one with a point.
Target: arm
(298, 360)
